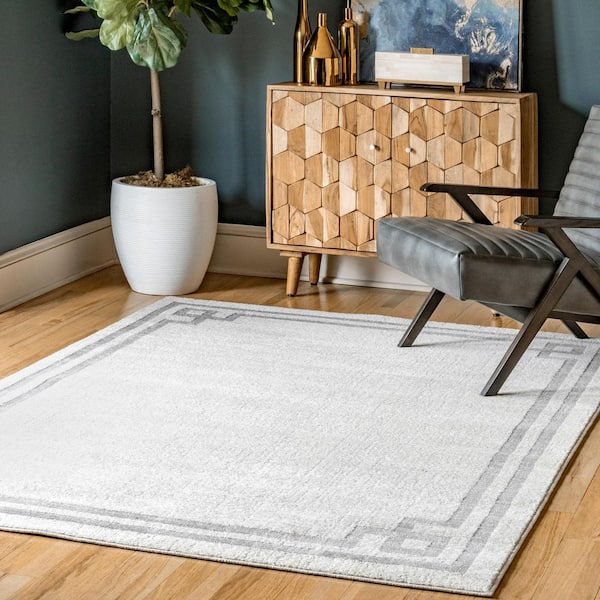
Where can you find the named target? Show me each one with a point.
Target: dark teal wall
(578, 51)
(54, 125)
(57, 153)
(559, 125)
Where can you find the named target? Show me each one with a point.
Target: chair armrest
(489, 190)
(461, 194)
(553, 227)
(545, 222)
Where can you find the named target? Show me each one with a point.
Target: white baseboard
(42, 266)
(241, 250)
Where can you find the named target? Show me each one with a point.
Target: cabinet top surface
(408, 91)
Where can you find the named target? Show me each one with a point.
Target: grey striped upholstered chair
(529, 276)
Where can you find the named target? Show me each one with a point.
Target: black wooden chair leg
(575, 329)
(560, 282)
(425, 312)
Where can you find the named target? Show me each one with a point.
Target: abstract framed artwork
(488, 31)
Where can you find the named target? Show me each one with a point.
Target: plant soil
(183, 178)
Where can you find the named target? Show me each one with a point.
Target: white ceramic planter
(164, 236)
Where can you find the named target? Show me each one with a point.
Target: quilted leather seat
(470, 261)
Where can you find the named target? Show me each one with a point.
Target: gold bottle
(322, 60)
(301, 37)
(348, 37)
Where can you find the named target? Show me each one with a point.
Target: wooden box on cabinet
(339, 159)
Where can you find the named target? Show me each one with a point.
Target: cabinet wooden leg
(314, 267)
(295, 260)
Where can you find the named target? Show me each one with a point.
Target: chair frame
(574, 264)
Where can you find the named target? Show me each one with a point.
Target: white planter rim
(204, 181)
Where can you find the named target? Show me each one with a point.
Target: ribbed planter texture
(164, 236)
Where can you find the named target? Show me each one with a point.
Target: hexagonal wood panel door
(340, 159)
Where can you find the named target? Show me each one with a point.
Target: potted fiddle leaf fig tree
(164, 225)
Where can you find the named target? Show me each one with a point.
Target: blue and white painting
(488, 31)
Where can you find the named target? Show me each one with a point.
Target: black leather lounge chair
(528, 276)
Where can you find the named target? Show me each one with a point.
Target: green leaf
(77, 9)
(214, 18)
(184, 6)
(119, 10)
(116, 34)
(253, 6)
(230, 9)
(120, 16)
(247, 5)
(173, 25)
(269, 10)
(156, 43)
(81, 35)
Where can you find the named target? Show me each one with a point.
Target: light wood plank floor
(559, 561)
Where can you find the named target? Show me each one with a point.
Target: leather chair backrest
(580, 195)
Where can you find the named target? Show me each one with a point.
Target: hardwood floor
(559, 561)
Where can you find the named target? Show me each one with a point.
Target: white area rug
(295, 440)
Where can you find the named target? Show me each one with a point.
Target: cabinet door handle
(408, 149)
(374, 147)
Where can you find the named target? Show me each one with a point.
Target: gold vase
(322, 61)
(348, 37)
(301, 37)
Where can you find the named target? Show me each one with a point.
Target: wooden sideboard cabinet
(341, 158)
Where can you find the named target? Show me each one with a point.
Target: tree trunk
(157, 130)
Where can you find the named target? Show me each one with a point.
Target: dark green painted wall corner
(54, 126)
